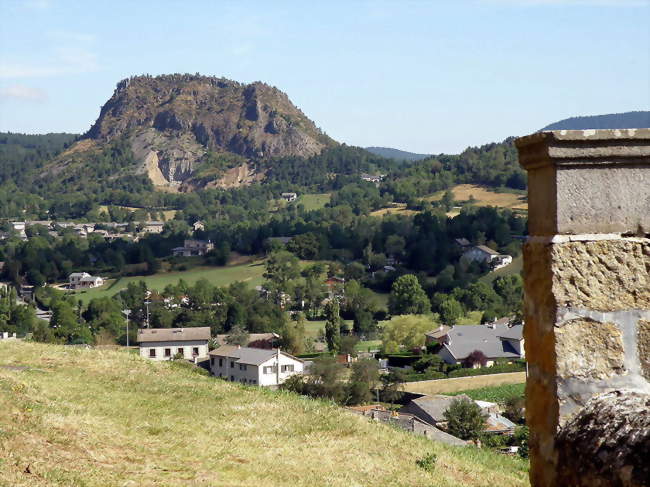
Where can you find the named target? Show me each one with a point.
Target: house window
(253, 381)
(232, 364)
(242, 366)
(212, 362)
(220, 362)
(180, 350)
(168, 352)
(232, 378)
(287, 368)
(270, 369)
(195, 351)
(152, 353)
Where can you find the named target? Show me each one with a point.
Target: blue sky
(425, 76)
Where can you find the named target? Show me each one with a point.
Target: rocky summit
(190, 131)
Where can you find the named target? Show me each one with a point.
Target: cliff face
(173, 121)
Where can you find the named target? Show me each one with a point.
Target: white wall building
(254, 366)
(481, 253)
(166, 343)
(83, 280)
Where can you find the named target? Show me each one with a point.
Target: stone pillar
(587, 306)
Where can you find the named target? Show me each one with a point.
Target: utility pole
(127, 312)
(146, 303)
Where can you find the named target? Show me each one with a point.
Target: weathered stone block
(605, 275)
(607, 444)
(587, 181)
(643, 341)
(588, 350)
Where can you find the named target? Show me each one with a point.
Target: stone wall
(587, 306)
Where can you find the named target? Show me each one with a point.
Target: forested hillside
(627, 120)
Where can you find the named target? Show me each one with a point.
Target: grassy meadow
(463, 384)
(250, 273)
(494, 393)
(88, 417)
(485, 197)
(314, 201)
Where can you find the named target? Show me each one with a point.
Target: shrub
(465, 419)
(427, 462)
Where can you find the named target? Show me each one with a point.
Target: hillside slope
(627, 120)
(178, 125)
(396, 154)
(102, 418)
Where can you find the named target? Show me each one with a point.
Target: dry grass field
(83, 417)
(485, 197)
(394, 209)
(444, 386)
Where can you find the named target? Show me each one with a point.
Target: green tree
(237, 336)
(363, 379)
(282, 268)
(405, 331)
(392, 385)
(333, 326)
(450, 311)
(293, 338)
(465, 419)
(408, 297)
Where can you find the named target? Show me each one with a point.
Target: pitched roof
(487, 250)
(244, 355)
(173, 334)
(438, 332)
(431, 408)
(464, 339)
(463, 242)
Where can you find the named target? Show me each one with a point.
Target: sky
(423, 76)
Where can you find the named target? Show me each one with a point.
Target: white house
(289, 197)
(198, 225)
(254, 366)
(166, 343)
(153, 227)
(481, 253)
(83, 280)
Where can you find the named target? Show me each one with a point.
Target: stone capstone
(643, 345)
(604, 275)
(607, 444)
(588, 350)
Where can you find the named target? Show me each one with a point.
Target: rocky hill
(627, 120)
(180, 125)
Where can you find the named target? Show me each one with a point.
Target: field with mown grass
(463, 384)
(250, 273)
(484, 196)
(87, 417)
(494, 393)
(314, 201)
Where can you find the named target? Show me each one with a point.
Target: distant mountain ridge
(396, 154)
(627, 120)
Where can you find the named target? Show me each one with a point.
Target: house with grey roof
(497, 340)
(254, 366)
(166, 343)
(431, 409)
(255, 340)
(482, 253)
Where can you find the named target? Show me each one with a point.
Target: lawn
(494, 393)
(515, 267)
(313, 327)
(250, 273)
(447, 386)
(314, 201)
(88, 417)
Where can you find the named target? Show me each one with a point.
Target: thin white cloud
(22, 92)
(66, 60)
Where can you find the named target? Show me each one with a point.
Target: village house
(497, 340)
(167, 343)
(193, 248)
(482, 253)
(431, 410)
(266, 341)
(406, 421)
(198, 226)
(83, 280)
(373, 178)
(153, 227)
(289, 197)
(437, 336)
(254, 366)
